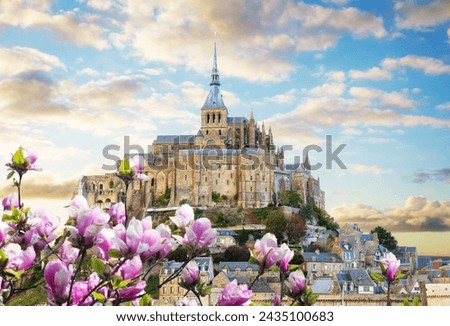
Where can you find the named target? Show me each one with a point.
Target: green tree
(276, 224)
(290, 198)
(385, 238)
(236, 253)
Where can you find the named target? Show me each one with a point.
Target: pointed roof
(306, 163)
(214, 99)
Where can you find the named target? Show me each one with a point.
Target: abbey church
(231, 160)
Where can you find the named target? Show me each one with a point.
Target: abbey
(231, 160)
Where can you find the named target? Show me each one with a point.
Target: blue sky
(76, 76)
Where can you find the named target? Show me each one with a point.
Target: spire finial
(215, 71)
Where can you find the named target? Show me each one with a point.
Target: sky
(77, 76)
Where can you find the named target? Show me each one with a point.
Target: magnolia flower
(77, 206)
(42, 226)
(130, 169)
(10, 201)
(168, 244)
(133, 291)
(67, 253)
(235, 295)
(82, 290)
(19, 259)
(286, 256)
(276, 300)
(89, 224)
(131, 268)
(391, 265)
(296, 282)
(23, 160)
(117, 213)
(104, 242)
(57, 276)
(266, 251)
(4, 228)
(200, 235)
(189, 274)
(184, 216)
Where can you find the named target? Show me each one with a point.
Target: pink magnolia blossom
(200, 235)
(77, 206)
(190, 273)
(296, 282)
(10, 201)
(286, 256)
(4, 229)
(168, 244)
(104, 242)
(137, 164)
(184, 216)
(276, 300)
(133, 291)
(19, 259)
(42, 225)
(23, 160)
(266, 251)
(131, 268)
(82, 290)
(89, 224)
(117, 213)
(235, 295)
(392, 265)
(67, 253)
(57, 276)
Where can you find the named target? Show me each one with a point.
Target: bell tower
(214, 112)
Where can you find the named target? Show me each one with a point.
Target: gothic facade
(231, 160)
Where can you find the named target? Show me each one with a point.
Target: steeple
(215, 71)
(214, 99)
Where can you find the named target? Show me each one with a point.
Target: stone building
(233, 160)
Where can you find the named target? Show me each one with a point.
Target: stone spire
(214, 99)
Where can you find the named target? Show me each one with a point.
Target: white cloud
(417, 214)
(361, 168)
(17, 60)
(88, 72)
(328, 89)
(254, 38)
(384, 99)
(429, 66)
(443, 106)
(67, 26)
(413, 15)
(285, 98)
(373, 73)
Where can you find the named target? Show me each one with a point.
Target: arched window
(207, 118)
(100, 186)
(220, 117)
(111, 184)
(214, 118)
(152, 183)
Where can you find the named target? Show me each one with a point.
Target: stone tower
(214, 112)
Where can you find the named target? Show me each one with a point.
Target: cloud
(413, 15)
(18, 60)
(443, 106)
(67, 26)
(361, 168)
(439, 175)
(88, 72)
(382, 98)
(285, 98)
(255, 39)
(417, 214)
(429, 66)
(328, 89)
(43, 185)
(373, 73)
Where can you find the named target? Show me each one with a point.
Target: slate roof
(359, 277)
(174, 139)
(324, 257)
(236, 120)
(322, 286)
(223, 233)
(232, 265)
